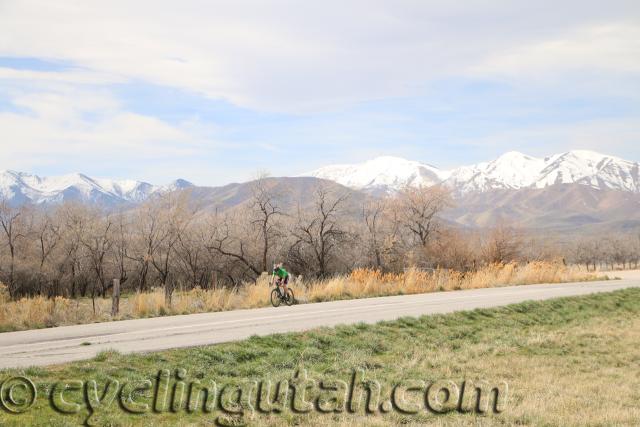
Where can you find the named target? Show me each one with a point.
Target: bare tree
(453, 249)
(228, 239)
(75, 219)
(191, 254)
(634, 242)
(48, 236)
(247, 235)
(373, 215)
(503, 244)
(586, 252)
(320, 230)
(149, 230)
(417, 210)
(98, 244)
(267, 211)
(13, 228)
(121, 246)
(176, 215)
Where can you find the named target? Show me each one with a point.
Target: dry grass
(38, 312)
(362, 283)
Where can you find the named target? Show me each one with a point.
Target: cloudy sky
(214, 91)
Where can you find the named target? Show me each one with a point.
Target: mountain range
(20, 187)
(577, 191)
(511, 171)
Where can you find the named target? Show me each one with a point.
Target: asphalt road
(71, 343)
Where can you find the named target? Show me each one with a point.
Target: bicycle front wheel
(275, 298)
(289, 298)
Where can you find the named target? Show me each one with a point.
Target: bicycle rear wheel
(275, 298)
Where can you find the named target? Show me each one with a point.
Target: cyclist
(283, 276)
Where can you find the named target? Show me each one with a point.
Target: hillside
(557, 207)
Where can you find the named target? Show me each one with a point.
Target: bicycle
(278, 297)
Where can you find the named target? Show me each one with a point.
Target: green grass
(570, 361)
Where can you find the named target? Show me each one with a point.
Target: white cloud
(301, 56)
(72, 76)
(613, 47)
(88, 126)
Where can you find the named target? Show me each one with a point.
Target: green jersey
(280, 272)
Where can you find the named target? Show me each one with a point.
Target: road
(71, 343)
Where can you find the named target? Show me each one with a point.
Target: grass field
(567, 362)
(40, 312)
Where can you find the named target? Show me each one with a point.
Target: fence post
(115, 299)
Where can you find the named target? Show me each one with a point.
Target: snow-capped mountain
(592, 169)
(20, 187)
(512, 170)
(515, 170)
(382, 173)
